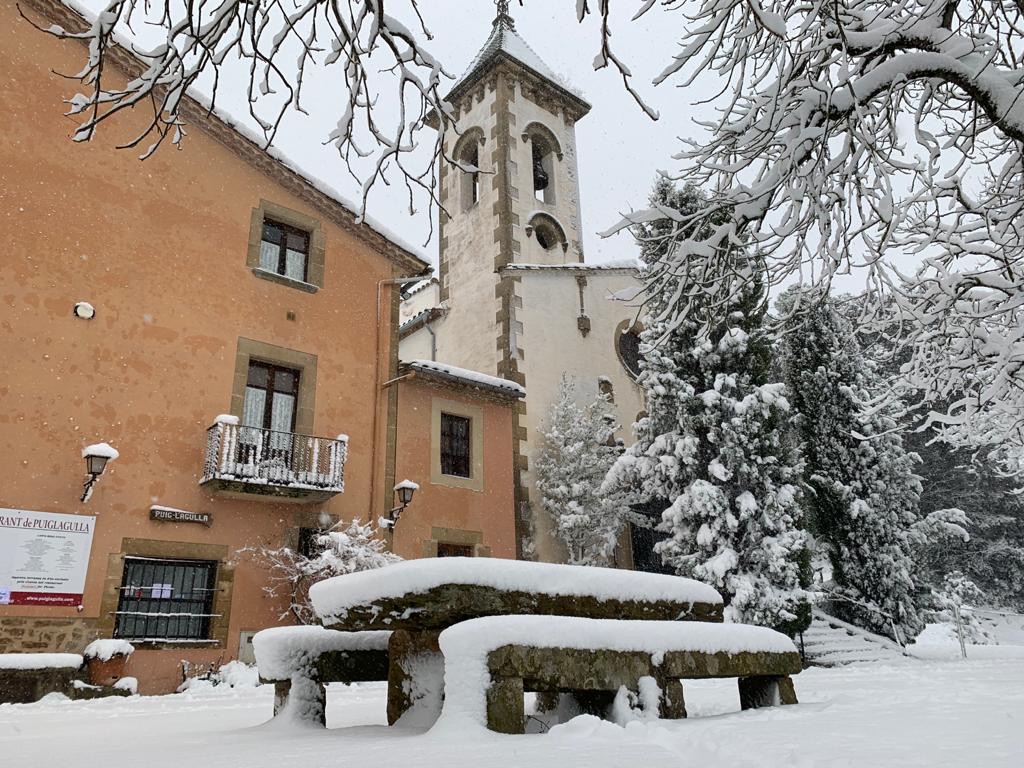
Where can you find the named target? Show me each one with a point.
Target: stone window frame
(549, 141)
(458, 536)
(317, 245)
(475, 134)
(475, 414)
(626, 326)
(541, 219)
(304, 362)
(170, 550)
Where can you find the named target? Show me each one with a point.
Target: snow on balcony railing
(266, 457)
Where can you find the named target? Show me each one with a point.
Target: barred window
(166, 599)
(446, 549)
(309, 542)
(455, 445)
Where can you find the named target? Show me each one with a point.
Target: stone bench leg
(415, 675)
(766, 691)
(672, 705)
(304, 698)
(505, 711)
(281, 690)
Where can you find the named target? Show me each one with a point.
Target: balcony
(248, 462)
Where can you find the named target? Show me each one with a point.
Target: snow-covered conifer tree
(714, 448)
(863, 505)
(578, 451)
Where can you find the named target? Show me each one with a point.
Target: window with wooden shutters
(166, 600)
(456, 450)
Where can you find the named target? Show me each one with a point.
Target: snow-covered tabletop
(434, 593)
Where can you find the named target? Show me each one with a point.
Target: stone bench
(28, 677)
(300, 661)
(418, 599)
(491, 662)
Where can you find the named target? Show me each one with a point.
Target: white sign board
(44, 557)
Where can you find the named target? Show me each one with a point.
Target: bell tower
(514, 121)
(509, 188)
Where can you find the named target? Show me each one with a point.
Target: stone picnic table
(513, 626)
(416, 600)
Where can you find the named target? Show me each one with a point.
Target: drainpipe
(433, 342)
(374, 478)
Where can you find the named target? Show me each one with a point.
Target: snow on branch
(387, 81)
(335, 550)
(850, 133)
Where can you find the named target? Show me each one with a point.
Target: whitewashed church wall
(417, 345)
(422, 299)
(552, 344)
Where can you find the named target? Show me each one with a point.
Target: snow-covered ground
(913, 713)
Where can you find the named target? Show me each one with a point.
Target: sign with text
(171, 515)
(44, 557)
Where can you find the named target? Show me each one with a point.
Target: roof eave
(455, 382)
(247, 150)
(579, 107)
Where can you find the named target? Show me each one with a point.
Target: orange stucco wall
(490, 510)
(159, 247)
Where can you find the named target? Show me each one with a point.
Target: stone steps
(830, 642)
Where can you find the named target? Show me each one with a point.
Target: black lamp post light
(96, 457)
(404, 491)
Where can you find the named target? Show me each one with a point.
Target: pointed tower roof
(505, 43)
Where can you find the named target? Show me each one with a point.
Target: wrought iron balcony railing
(264, 461)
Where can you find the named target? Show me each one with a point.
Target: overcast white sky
(620, 149)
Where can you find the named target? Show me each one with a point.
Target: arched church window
(628, 348)
(467, 155)
(546, 236)
(470, 179)
(543, 169)
(547, 231)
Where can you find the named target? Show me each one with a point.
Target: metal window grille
(455, 445)
(446, 549)
(309, 544)
(166, 600)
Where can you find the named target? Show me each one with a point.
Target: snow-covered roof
(197, 109)
(505, 40)
(334, 597)
(420, 286)
(420, 318)
(465, 376)
(620, 265)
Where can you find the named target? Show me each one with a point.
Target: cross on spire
(503, 19)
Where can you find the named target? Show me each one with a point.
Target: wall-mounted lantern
(96, 457)
(404, 491)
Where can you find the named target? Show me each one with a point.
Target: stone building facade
(513, 295)
(232, 331)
